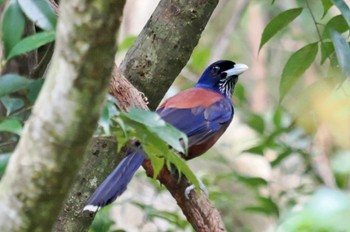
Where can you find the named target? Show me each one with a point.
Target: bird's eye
(216, 69)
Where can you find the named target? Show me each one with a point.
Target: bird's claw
(192, 187)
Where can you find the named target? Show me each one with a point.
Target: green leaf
(32, 42)
(256, 122)
(327, 48)
(11, 104)
(39, 12)
(158, 126)
(157, 163)
(342, 51)
(13, 22)
(182, 167)
(337, 23)
(34, 90)
(148, 128)
(12, 82)
(296, 66)
(281, 157)
(257, 149)
(278, 117)
(344, 9)
(253, 182)
(278, 23)
(327, 4)
(102, 221)
(11, 125)
(4, 159)
(127, 43)
(265, 205)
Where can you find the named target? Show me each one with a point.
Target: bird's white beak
(236, 70)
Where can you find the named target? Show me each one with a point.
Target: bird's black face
(221, 76)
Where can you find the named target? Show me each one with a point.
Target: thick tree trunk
(56, 135)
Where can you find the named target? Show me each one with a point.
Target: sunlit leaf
(344, 9)
(278, 23)
(327, 4)
(13, 82)
(11, 125)
(32, 42)
(157, 125)
(296, 66)
(126, 43)
(157, 163)
(155, 136)
(12, 25)
(39, 12)
(343, 51)
(337, 23)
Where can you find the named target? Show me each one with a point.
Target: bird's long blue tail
(115, 184)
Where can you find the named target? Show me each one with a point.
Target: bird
(202, 112)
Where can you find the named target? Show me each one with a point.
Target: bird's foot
(192, 187)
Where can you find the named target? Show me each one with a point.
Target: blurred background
(281, 165)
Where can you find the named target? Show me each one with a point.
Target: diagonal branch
(164, 46)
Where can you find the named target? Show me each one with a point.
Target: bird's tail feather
(115, 184)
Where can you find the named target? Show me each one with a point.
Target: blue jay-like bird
(203, 113)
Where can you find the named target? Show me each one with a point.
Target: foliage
(154, 134)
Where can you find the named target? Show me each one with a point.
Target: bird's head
(221, 76)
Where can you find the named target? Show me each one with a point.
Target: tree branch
(64, 117)
(164, 46)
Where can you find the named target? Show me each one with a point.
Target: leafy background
(284, 163)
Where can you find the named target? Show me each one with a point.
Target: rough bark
(164, 46)
(56, 135)
(102, 151)
(199, 211)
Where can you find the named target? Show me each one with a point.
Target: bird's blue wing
(199, 123)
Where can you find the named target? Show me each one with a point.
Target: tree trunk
(56, 136)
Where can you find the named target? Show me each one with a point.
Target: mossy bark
(55, 137)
